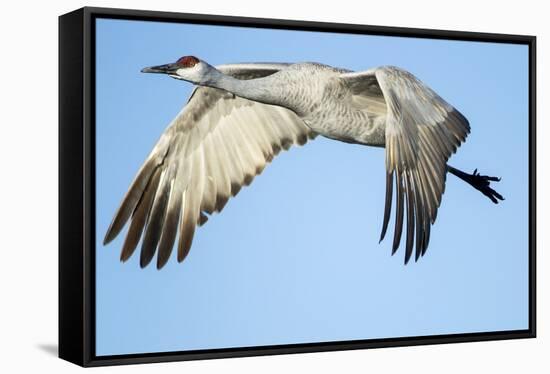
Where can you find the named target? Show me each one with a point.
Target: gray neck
(260, 89)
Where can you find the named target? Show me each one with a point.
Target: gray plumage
(242, 115)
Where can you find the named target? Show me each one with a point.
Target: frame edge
(533, 186)
(71, 184)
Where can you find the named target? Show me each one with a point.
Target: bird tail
(482, 183)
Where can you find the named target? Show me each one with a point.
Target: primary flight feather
(242, 115)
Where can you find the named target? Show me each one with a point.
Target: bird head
(187, 68)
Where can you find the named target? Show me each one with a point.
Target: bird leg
(479, 182)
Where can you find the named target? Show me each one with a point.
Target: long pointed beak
(161, 69)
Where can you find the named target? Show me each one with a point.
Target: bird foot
(483, 184)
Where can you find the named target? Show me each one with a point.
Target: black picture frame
(77, 183)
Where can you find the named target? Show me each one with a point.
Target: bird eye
(187, 61)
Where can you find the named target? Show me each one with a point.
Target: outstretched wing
(422, 132)
(217, 144)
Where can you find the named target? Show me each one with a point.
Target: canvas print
(261, 187)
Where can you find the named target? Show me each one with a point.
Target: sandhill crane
(241, 115)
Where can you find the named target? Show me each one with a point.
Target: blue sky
(294, 258)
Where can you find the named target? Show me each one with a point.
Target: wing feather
(210, 188)
(170, 228)
(193, 198)
(156, 220)
(139, 217)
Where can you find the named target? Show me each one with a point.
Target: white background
(28, 185)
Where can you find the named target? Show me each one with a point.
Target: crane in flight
(240, 116)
